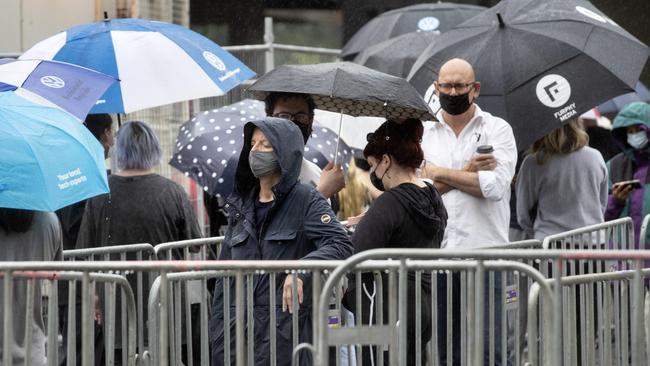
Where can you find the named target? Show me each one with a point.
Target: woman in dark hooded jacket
(271, 216)
(409, 214)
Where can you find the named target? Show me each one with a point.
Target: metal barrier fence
(600, 331)
(241, 276)
(139, 285)
(33, 280)
(644, 232)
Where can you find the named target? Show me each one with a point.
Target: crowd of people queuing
(445, 184)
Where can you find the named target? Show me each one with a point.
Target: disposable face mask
(637, 140)
(262, 163)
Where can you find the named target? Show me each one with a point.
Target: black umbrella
(435, 17)
(208, 145)
(348, 88)
(396, 56)
(540, 63)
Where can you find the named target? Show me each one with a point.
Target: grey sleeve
(327, 233)
(527, 195)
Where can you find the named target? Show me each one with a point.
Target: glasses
(299, 117)
(461, 88)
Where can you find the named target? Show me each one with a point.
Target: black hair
(98, 123)
(402, 141)
(15, 220)
(272, 99)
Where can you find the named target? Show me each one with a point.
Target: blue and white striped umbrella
(157, 63)
(69, 87)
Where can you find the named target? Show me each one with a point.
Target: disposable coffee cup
(485, 149)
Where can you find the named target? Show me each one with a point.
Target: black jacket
(299, 225)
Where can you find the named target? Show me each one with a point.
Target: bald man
(475, 187)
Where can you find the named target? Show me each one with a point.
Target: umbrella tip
(501, 23)
(106, 15)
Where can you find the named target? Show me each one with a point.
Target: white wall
(25, 22)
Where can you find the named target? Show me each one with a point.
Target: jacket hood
(288, 146)
(632, 114)
(425, 207)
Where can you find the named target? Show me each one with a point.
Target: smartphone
(635, 183)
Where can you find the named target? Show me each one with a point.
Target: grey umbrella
(396, 56)
(540, 63)
(348, 88)
(435, 17)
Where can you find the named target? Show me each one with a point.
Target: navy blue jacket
(299, 225)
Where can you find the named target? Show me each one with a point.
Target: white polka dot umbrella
(208, 145)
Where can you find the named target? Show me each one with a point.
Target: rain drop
(200, 174)
(219, 149)
(232, 142)
(214, 175)
(205, 188)
(215, 138)
(195, 160)
(223, 162)
(189, 147)
(204, 147)
(220, 180)
(228, 131)
(209, 161)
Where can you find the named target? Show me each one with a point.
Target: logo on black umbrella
(428, 24)
(553, 90)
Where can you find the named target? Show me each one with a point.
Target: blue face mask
(637, 140)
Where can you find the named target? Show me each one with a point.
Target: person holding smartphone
(628, 170)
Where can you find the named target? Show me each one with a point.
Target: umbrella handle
(338, 140)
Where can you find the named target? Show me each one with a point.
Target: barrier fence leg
(637, 316)
(479, 315)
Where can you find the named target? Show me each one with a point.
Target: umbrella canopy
(158, 63)
(354, 130)
(396, 56)
(348, 88)
(48, 158)
(540, 63)
(208, 146)
(70, 87)
(435, 17)
(640, 94)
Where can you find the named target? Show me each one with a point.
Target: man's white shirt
(474, 222)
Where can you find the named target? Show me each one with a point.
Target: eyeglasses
(461, 88)
(299, 117)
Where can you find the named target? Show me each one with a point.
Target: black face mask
(376, 181)
(455, 104)
(306, 131)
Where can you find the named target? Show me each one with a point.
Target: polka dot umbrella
(208, 145)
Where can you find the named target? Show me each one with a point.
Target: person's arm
(603, 185)
(329, 237)
(616, 200)
(377, 224)
(325, 231)
(332, 180)
(486, 175)
(527, 195)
